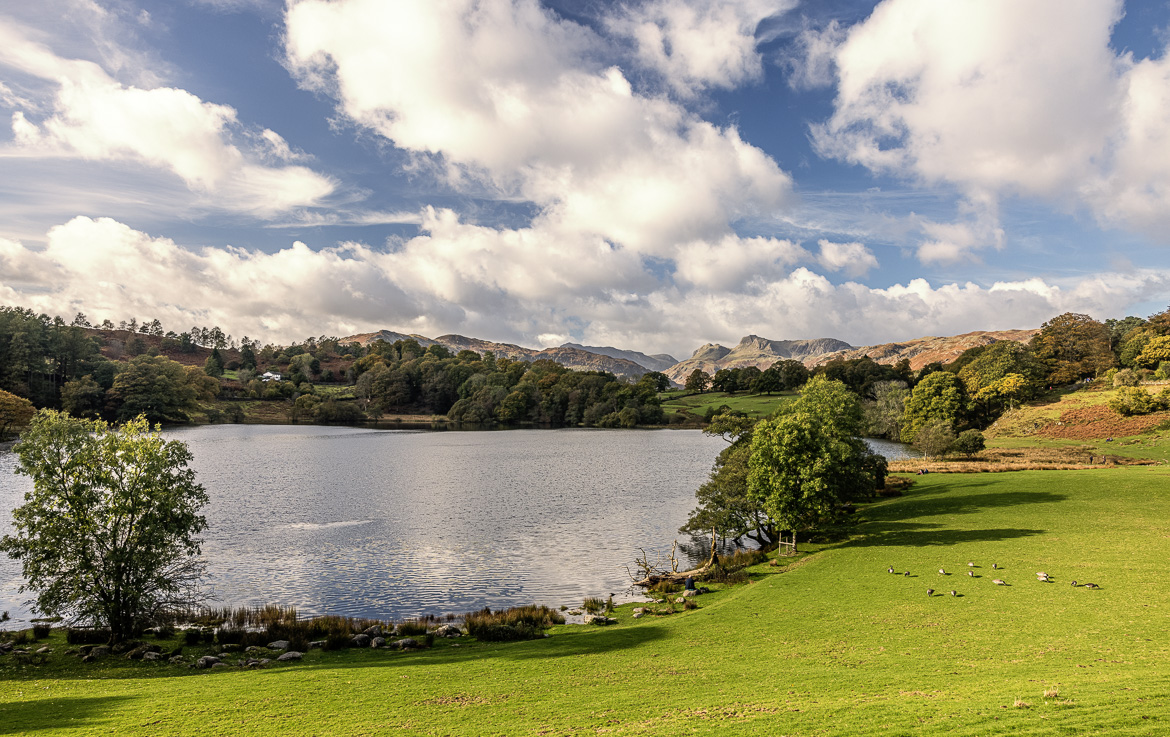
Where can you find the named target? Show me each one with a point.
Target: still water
(392, 524)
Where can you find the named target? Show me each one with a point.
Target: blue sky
(652, 175)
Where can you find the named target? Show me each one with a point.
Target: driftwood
(653, 573)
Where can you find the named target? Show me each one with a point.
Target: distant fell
(753, 350)
(922, 351)
(656, 362)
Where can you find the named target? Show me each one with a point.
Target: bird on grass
(999, 582)
(907, 573)
(1074, 584)
(942, 572)
(1041, 574)
(890, 569)
(1092, 586)
(930, 592)
(971, 574)
(954, 593)
(994, 566)
(970, 565)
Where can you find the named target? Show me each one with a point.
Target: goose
(907, 573)
(999, 582)
(971, 574)
(954, 593)
(930, 592)
(1042, 574)
(970, 565)
(942, 572)
(890, 569)
(994, 566)
(1074, 584)
(1092, 586)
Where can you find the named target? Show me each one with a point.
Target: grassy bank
(834, 646)
(695, 406)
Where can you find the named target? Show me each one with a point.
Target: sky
(652, 175)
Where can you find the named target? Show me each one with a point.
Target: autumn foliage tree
(1073, 346)
(14, 412)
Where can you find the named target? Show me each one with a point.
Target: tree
(883, 415)
(213, 366)
(698, 381)
(108, 535)
(1073, 346)
(808, 461)
(1154, 352)
(935, 438)
(159, 388)
(970, 442)
(14, 412)
(940, 396)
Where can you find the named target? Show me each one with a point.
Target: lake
(391, 524)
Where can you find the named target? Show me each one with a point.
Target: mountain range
(752, 350)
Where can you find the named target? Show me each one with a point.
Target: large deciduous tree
(14, 412)
(940, 396)
(108, 534)
(808, 461)
(1073, 346)
(160, 389)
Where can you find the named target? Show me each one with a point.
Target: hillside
(656, 362)
(922, 351)
(753, 351)
(570, 356)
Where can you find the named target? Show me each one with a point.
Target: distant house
(269, 376)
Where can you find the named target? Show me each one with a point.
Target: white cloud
(478, 281)
(854, 259)
(504, 93)
(999, 98)
(96, 118)
(695, 45)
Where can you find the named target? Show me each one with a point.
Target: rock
(639, 615)
(231, 647)
(679, 599)
(406, 643)
(219, 665)
(378, 642)
(278, 645)
(316, 644)
(176, 659)
(139, 652)
(253, 649)
(290, 655)
(150, 655)
(447, 630)
(206, 661)
(6, 646)
(100, 651)
(44, 650)
(599, 619)
(265, 661)
(362, 640)
(224, 656)
(691, 592)
(374, 631)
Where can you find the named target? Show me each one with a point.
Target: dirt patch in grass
(1098, 422)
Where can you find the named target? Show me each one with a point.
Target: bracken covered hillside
(922, 351)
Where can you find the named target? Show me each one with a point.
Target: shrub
(411, 628)
(338, 640)
(1126, 377)
(970, 442)
(41, 631)
(593, 605)
(517, 623)
(226, 636)
(87, 635)
(192, 636)
(1133, 400)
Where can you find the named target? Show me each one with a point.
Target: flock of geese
(1041, 576)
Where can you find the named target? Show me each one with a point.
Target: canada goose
(954, 593)
(890, 569)
(1092, 586)
(994, 565)
(970, 565)
(907, 573)
(942, 572)
(1042, 574)
(971, 573)
(930, 592)
(1074, 584)
(999, 582)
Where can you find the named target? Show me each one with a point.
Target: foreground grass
(835, 646)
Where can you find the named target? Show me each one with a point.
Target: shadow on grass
(941, 503)
(39, 715)
(910, 535)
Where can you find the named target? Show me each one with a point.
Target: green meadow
(756, 406)
(829, 644)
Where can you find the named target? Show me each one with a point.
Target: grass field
(696, 405)
(833, 646)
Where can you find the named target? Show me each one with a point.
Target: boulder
(362, 640)
(639, 615)
(151, 655)
(219, 665)
(378, 642)
(100, 651)
(290, 655)
(206, 661)
(278, 645)
(406, 643)
(374, 631)
(176, 659)
(447, 630)
(691, 592)
(44, 650)
(599, 619)
(316, 644)
(265, 661)
(253, 649)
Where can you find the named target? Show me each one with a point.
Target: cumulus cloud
(94, 117)
(999, 98)
(457, 277)
(502, 92)
(854, 259)
(695, 45)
